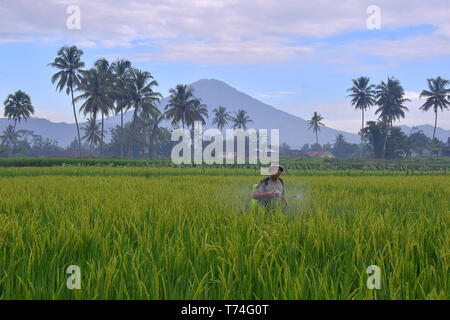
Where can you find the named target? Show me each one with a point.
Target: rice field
(163, 233)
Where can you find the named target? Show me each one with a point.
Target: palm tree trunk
(101, 139)
(121, 134)
(435, 124)
(385, 139)
(90, 149)
(76, 122)
(143, 145)
(150, 142)
(130, 146)
(130, 142)
(150, 145)
(150, 150)
(317, 138)
(15, 122)
(362, 128)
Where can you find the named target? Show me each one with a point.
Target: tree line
(115, 88)
(389, 98)
(118, 87)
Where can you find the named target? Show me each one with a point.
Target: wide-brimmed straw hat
(274, 168)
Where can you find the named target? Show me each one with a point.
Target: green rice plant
(173, 233)
(191, 171)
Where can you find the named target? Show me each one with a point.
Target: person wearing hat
(270, 190)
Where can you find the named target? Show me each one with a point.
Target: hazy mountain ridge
(427, 129)
(293, 129)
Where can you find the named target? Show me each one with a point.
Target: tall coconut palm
(96, 96)
(200, 112)
(155, 132)
(437, 98)
(180, 106)
(105, 72)
(92, 133)
(315, 123)
(363, 98)
(143, 99)
(140, 130)
(70, 66)
(390, 100)
(93, 93)
(121, 72)
(240, 120)
(221, 117)
(18, 106)
(10, 138)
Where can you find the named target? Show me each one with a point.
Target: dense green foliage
(430, 164)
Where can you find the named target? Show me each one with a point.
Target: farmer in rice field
(270, 190)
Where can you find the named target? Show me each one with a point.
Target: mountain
(62, 132)
(427, 129)
(293, 130)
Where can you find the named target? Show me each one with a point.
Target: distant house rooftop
(296, 153)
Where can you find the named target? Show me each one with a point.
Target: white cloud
(406, 49)
(86, 44)
(412, 95)
(285, 92)
(230, 31)
(235, 52)
(276, 94)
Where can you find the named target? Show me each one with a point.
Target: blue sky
(297, 56)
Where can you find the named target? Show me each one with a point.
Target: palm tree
(155, 132)
(437, 97)
(121, 71)
(200, 112)
(93, 93)
(363, 98)
(70, 65)
(92, 133)
(390, 99)
(240, 120)
(315, 124)
(142, 97)
(340, 139)
(10, 138)
(221, 117)
(142, 131)
(180, 106)
(26, 134)
(105, 72)
(96, 95)
(18, 106)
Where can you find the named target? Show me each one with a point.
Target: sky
(298, 56)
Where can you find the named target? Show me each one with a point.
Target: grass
(190, 171)
(192, 236)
